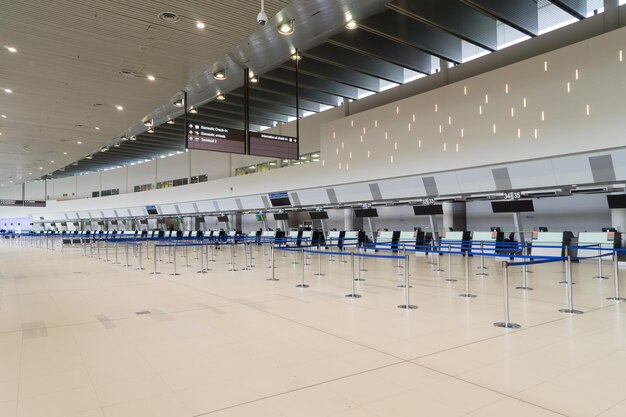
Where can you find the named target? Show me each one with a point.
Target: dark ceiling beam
(217, 116)
(453, 17)
(314, 83)
(577, 8)
(400, 28)
(347, 58)
(334, 73)
(277, 98)
(376, 46)
(234, 103)
(522, 15)
(266, 84)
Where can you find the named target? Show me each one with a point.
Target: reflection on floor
(85, 338)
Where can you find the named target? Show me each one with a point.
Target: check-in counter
(554, 242)
(490, 239)
(605, 240)
(456, 239)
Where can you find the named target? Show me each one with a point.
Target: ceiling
(69, 57)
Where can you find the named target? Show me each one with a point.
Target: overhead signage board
(274, 146)
(206, 137)
(22, 203)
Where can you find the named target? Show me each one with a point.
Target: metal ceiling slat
(522, 15)
(577, 8)
(234, 98)
(376, 46)
(400, 28)
(289, 90)
(315, 83)
(350, 59)
(338, 74)
(237, 110)
(454, 17)
(277, 98)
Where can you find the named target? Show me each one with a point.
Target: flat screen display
(274, 146)
(143, 221)
(152, 210)
(318, 215)
(616, 201)
(114, 222)
(519, 206)
(206, 137)
(428, 210)
(371, 212)
(281, 216)
(279, 199)
(64, 224)
(222, 218)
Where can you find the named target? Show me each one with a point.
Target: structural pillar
(454, 215)
(611, 15)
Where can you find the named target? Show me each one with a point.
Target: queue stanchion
(404, 254)
(155, 272)
(450, 279)
(600, 273)
(169, 254)
(524, 285)
(617, 296)
(202, 269)
(174, 250)
(467, 293)
(437, 255)
(330, 243)
(141, 268)
(106, 251)
(273, 277)
(302, 284)
(319, 262)
(506, 323)
(127, 260)
(570, 297)
(566, 281)
(245, 254)
(187, 257)
(358, 272)
(407, 287)
(232, 258)
(353, 294)
(116, 257)
(482, 260)
(212, 253)
(295, 258)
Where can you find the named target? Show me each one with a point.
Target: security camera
(261, 18)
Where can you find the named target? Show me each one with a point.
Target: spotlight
(170, 121)
(133, 137)
(220, 75)
(200, 25)
(179, 103)
(220, 97)
(351, 24)
(296, 56)
(286, 28)
(7, 90)
(124, 137)
(120, 108)
(254, 79)
(151, 130)
(87, 157)
(151, 77)
(193, 110)
(147, 123)
(106, 148)
(11, 49)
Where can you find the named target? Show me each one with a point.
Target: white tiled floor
(229, 344)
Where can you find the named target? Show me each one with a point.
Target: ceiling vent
(169, 17)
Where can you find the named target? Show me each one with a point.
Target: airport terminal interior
(312, 208)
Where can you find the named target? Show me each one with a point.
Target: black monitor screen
(616, 201)
(279, 199)
(519, 206)
(496, 229)
(100, 223)
(366, 213)
(114, 222)
(318, 215)
(151, 210)
(143, 221)
(281, 216)
(222, 219)
(428, 210)
(64, 224)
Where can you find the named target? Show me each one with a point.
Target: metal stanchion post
(116, 259)
(353, 294)
(127, 263)
(437, 255)
(600, 273)
(174, 250)
(330, 243)
(169, 254)
(319, 262)
(106, 250)
(467, 294)
(616, 278)
(566, 281)
(245, 254)
(482, 260)
(524, 285)
(212, 253)
(302, 284)
(407, 304)
(450, 279)
(570, 296)
(358, 273)
(232, 258)
(295, 258)
(155, 260)
(202, 269)
(140, 258)
(506, 323)
(273, 278)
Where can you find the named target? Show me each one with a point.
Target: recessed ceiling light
(151, 77)
(169, 17)
(64, 153)
(104, 149)
(170, 121)
(133, 137)
(11, 49)
(220, 97)
(200, 25)
(7, 90)
(89, 157)
(40, 167)
(254, 79)
(193, 110)
(120, 108)
(78, 142)
(151, 130)
(52, 162)
(351, 24)
(220, 75)
(117, 145)
(97, 128)
(286, 28)
(4, 116)
(147, 123)
(296, 56)
(30, 173)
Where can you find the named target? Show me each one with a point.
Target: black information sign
(22, 203)
(274, 146)
(214, 138)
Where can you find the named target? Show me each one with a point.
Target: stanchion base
(451, 280)
(439, 270)
(232, 270)
(246, 269)
(272, 279)
(139, 269)
(468, 295)
(153, 273)
(353, 296)
(404, 286)
(202, 272)
(616, 299)
(363, 270)
(478, 267)
(507, 325)
(331, 260)
(524, 288)
(482, 274)
(600, 277)
(302, 286)
(567, 310)
(359, 279)
(408, 306)
(565, 282)
(174, 273)
(319, 275)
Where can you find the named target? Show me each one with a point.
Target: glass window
(95, 194)
(203, 178)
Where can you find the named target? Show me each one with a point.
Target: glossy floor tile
(83, 337)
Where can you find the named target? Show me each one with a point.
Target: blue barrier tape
(544, 261)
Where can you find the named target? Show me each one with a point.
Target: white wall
(87, 184)
(115, 178)
(141, 174)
